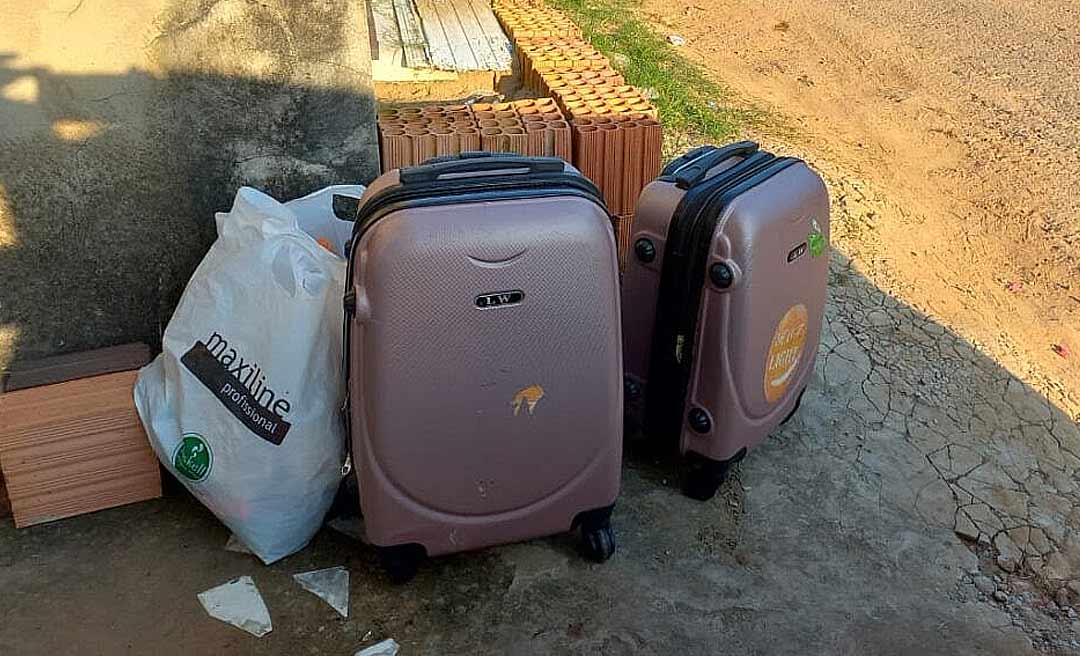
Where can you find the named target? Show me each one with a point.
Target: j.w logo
(499, 299)
(527, 398)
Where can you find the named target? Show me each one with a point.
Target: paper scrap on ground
(331, 585)
(235, 545)
(239, 603)
(385, 648)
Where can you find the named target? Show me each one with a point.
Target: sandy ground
(951, 136)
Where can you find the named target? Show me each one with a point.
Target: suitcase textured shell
(756, 339)
(485, 367)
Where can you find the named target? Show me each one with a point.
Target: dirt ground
(926, 498)
(951, 136)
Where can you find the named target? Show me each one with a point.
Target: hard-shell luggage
(723, 299)
(484, 357)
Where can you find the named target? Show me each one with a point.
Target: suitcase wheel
(597, 537)
(598, 544)
(703, 476)
(401, 561)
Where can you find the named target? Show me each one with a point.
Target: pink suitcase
(722, 302)
(484, 358)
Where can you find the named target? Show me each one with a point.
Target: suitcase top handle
(467, 163)
(686, 158)
(694, 172)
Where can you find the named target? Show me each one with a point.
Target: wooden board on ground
(75, 447)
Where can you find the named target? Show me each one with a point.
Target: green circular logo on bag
(193, 458)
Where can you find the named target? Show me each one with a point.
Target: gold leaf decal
(527, 398)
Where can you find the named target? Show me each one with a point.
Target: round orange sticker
(785, 352)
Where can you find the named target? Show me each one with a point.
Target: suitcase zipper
(448, 189)
(689, 241)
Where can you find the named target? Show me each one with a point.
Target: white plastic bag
(243, 404)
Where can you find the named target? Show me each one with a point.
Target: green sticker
(193, 458)
(815, 241)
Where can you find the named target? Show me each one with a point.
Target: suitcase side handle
(475, 163)
(695, 172)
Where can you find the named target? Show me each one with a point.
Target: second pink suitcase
(723, 299)
(484, 358)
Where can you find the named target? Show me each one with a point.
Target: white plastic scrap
(676, 40)
(239, 603)
(331, 585)
(385, 648)
(236, 546)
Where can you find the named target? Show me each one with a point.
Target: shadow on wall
(109, 184)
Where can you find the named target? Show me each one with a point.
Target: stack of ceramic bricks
(537, 56)
(621, 154)
(522, 19)
(617, 138)
(591, 93)
(412, 135)
(526, 127)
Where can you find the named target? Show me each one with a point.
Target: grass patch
(690, 102)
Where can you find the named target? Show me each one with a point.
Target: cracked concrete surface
(876, 521)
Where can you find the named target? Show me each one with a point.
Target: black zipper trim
(682, 282)
(449, 188)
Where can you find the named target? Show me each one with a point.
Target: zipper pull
(680, 341)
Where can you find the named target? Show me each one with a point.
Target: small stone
(1021, 587)
(1057, 567)
(984, 585)
(965, 528)
(1007, 564)
(1061, 598)
(1000, 596)
(676, 40)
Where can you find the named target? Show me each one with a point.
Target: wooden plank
(474, 34)
(460, 47)
(70, 366)
(440, 44)
(414, 45)
(75, 447)
(493, 33)
(388, 39)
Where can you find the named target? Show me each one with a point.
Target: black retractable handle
(478, 162)
(695, 171)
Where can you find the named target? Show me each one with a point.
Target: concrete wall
(125, 124)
